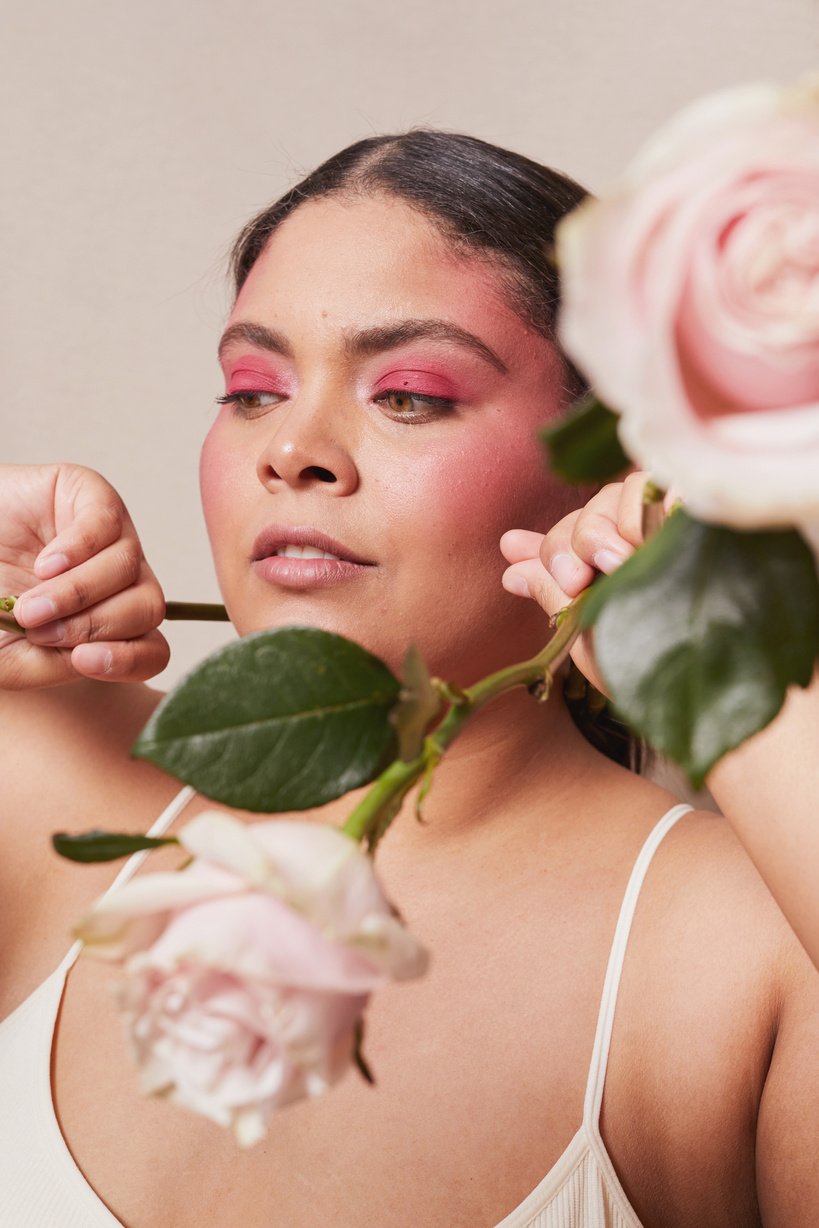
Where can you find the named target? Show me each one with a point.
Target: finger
(630, 513)
(597, 542)
(115, 568)
(520, 544)
(126, 616)
(556, 555)
(123, 661)
(25, 666)
(91, 516)
(531, 579)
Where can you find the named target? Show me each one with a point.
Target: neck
(514, 751)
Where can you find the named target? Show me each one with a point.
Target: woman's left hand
(767, 788)
(554, 568)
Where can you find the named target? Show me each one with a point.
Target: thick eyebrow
(388, 336)
(369, 340)
(255, 334)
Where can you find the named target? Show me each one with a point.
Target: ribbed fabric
(42, 1187)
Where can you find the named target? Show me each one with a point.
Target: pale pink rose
(247, 972)
(691, 301)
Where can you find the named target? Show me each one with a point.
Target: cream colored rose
(247, 972)
(691, 301)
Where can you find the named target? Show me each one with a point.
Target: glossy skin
(420, 489)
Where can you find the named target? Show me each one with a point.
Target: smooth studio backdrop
(137, 138)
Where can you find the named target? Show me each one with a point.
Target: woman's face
(382, 403)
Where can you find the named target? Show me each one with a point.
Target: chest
(481, 1071)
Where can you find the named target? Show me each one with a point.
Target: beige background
(138, 136)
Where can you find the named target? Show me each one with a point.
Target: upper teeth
(304, 552)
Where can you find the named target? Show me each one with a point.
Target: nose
(303, 451)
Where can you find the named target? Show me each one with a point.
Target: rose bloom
(692, 304)
(246, 973)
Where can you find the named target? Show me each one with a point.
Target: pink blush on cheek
(223, 467)
(484, 488)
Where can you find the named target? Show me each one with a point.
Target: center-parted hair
(484, 200)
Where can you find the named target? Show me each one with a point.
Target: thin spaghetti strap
(158, 828)
(611, 985)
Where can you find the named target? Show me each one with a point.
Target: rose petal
(224, 841)
(133, 915)
(692, 303)
(256, 936)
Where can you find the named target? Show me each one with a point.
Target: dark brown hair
(482, 198)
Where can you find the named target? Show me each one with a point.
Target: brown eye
(250, 404)
(401, 404)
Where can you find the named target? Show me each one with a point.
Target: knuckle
(92, 532)
(93, 627)
(74, 595)
(557, 539)
(588, 532)
(607, 498)
(128, 559)
(111, 515)
(154, 607)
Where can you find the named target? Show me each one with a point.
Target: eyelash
(436, 406)
(237, 399)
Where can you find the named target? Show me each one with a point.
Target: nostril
(323, 475)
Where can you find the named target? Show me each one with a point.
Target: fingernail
(96, 660)
(565, 569)
(607, 560)
(36, 610)
(516, 584)
(51, 565)
(52, 633)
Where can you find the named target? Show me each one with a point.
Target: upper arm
(787, 1150)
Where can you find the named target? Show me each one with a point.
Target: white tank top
(42, 1187)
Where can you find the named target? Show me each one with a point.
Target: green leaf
(88, 846)
(701, 631)
(280, 720)
(418, 705)
(585, 447)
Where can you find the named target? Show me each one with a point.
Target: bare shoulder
(64, 763)
(713, 971)
(63, 745)
(709, 927)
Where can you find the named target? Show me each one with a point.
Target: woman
(387, 360)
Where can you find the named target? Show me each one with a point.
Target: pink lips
(288, 571)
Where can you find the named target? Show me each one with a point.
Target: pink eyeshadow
(252, 375)
(430, 383)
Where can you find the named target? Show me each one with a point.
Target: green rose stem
(191, 611)
(372, 816)
(196, 611)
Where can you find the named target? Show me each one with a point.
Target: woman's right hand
(90, 603)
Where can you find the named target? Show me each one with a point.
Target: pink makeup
(252, 373)
(428, 382)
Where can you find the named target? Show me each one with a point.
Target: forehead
(357, 261)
